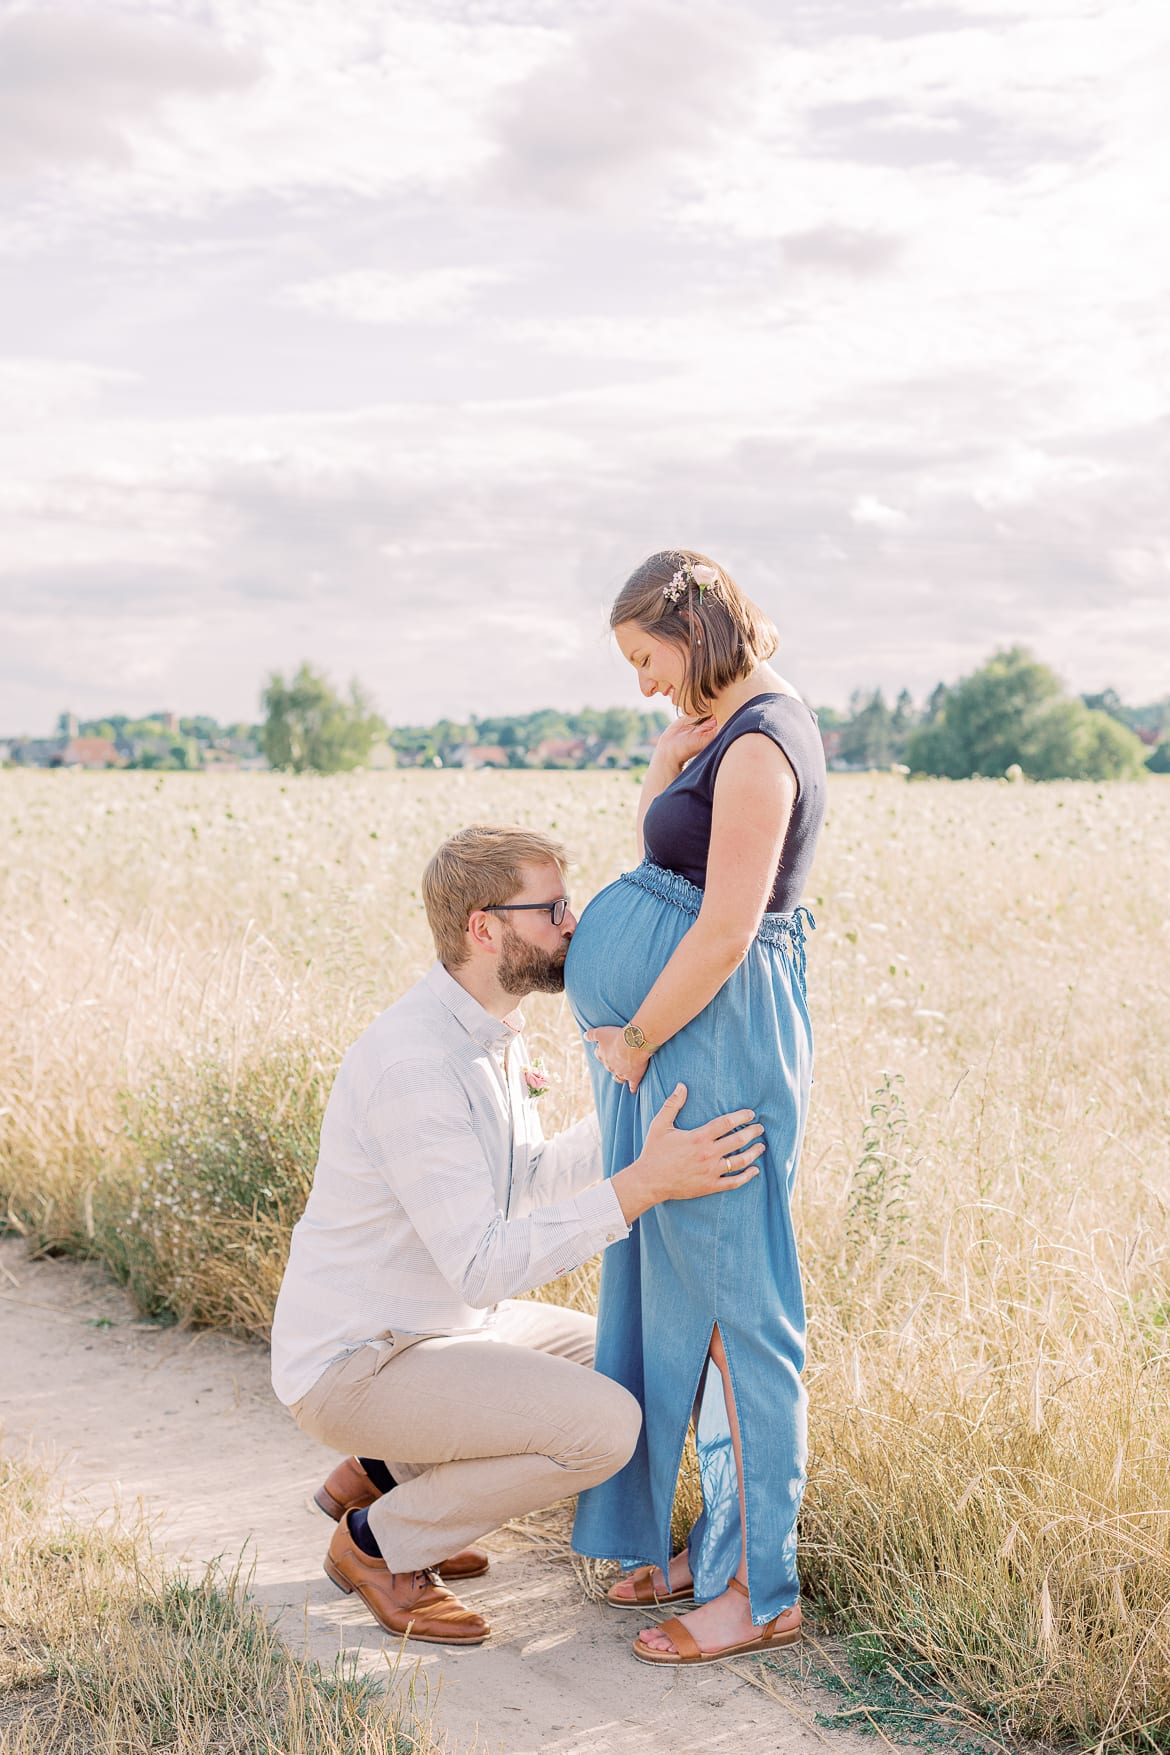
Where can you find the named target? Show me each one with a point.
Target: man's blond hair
(479, 867)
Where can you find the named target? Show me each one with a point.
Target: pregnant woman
(691, 969)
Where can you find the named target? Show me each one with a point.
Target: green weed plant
(103, 1648)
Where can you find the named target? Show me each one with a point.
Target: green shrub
(220, 1165)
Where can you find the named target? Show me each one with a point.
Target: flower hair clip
(685, 575)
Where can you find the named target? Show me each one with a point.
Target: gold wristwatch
(635, 1039)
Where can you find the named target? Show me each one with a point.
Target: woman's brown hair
(723, 633)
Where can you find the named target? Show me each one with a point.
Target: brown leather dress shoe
(349, 1488)
(411, 1605)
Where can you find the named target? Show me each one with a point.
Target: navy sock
(378, 1472)
(363, 1535)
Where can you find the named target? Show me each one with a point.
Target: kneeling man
(436, 1201)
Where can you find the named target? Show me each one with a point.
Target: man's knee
(607, 1434)
(627, 1427)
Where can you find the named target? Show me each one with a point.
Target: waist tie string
(798, 917)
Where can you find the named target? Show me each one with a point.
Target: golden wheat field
(982, 1202)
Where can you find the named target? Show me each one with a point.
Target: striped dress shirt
(436, 1194)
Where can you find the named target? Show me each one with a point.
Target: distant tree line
(614, 731)
(1011, 713)
(159, 740)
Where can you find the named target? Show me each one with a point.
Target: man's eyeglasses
(555, 910)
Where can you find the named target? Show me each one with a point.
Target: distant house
(227, 761)
(39, 752)
(89, 752)
(559, 752)
(479, 755)
(832, 743)
(62, 752)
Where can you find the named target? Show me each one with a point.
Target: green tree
(309, 727)
(902, 723)
(625, 726)
(448, 734)
(1075, 742)
(867, 739)
(1014, 710)
(1158, 761)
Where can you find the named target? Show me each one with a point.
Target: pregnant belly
(622, 942)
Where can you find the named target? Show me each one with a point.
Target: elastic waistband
(775, 929)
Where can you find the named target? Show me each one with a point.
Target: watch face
(633, 1036)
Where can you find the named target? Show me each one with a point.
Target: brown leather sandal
(645, 1596)
(687, 1650)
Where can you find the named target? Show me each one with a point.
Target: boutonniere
(537, 1080)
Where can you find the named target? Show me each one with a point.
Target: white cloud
(868, 509)
(35, 389)
(370, 295)
(77, 85)
(620, 92)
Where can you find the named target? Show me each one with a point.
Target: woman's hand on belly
(628, 1065)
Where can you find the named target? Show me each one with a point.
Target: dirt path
(187, 1424)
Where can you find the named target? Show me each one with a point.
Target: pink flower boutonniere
(537, 1080)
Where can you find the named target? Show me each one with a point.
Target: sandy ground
(186, 1423)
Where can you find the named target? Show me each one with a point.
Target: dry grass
(982, 1197)
(101, 1649)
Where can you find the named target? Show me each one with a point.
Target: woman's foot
(724, 1621)
(679, 1576)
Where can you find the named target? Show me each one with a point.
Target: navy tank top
(676, 829)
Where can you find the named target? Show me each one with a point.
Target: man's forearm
(513, 1256)
(563, 1166)
(636, 1191)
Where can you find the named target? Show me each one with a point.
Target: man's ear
(479, 930)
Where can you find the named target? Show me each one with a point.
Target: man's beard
(525, 968)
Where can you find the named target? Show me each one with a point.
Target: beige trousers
(474, 1430)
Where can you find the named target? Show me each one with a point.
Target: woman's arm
(755, 791)
(674, 749)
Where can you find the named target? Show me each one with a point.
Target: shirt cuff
(601, 1214)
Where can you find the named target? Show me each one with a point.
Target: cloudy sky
(392, 335)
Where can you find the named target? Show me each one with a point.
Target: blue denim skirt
(726, 1260)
